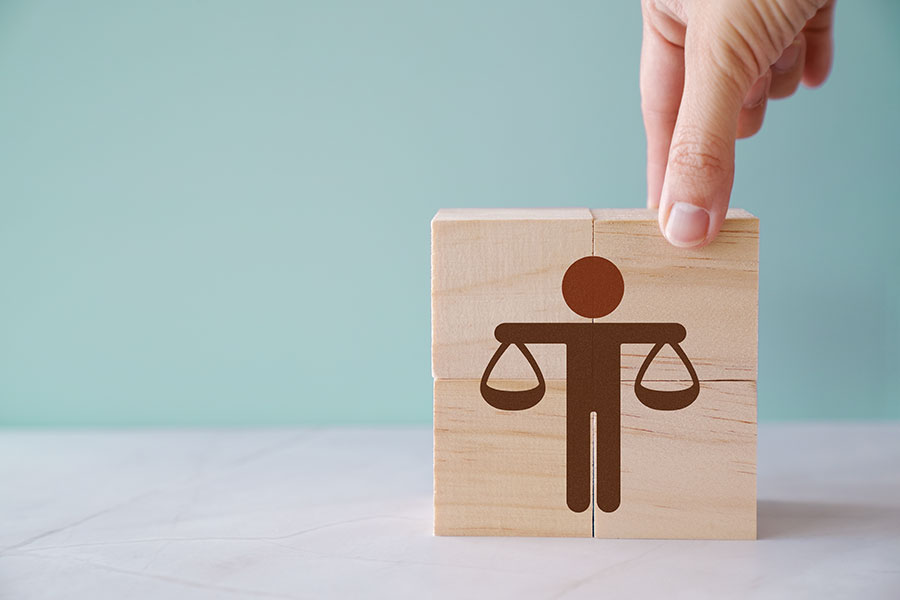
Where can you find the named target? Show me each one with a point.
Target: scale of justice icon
(592, 287)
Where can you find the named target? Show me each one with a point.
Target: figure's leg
(609, 454)
(578, 460)
(609, 427)
(578, 421)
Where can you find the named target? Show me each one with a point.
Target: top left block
(490, 266)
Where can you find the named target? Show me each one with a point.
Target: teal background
(218, 212)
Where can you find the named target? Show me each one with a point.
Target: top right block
(712, 291)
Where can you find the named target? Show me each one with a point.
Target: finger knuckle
(752, 35)
(737, 61)
(701, 155)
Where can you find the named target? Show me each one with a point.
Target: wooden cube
(501, 472)
(591, 379)
(711, 291)
(489, 266)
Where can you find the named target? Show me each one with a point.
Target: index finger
(662, 83)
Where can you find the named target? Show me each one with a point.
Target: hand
(707, 70)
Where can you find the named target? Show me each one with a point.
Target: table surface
(318, 513)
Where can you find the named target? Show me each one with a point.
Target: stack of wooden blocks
(688, 473)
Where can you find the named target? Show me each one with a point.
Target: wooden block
(712, 291)
(501, 472)
(688, 474)
(489, 266)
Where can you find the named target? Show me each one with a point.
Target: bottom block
(688, 473)
(501, 472)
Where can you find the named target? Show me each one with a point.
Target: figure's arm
(536, 333)
(647, 333)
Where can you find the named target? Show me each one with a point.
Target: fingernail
(757, 93)
(789, 57)
(687, 226)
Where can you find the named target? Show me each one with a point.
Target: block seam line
(593, 220)
(593, 414)
(593, 474)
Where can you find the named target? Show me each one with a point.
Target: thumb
(700, 167)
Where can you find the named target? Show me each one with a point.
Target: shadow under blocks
(591, 379)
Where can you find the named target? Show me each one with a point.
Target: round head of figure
(593, 287)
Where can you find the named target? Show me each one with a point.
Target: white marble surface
(347, 513)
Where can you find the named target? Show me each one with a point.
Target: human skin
(708, 68)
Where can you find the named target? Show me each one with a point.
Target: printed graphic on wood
(592, 287)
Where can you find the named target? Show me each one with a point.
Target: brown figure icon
(592, 287)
